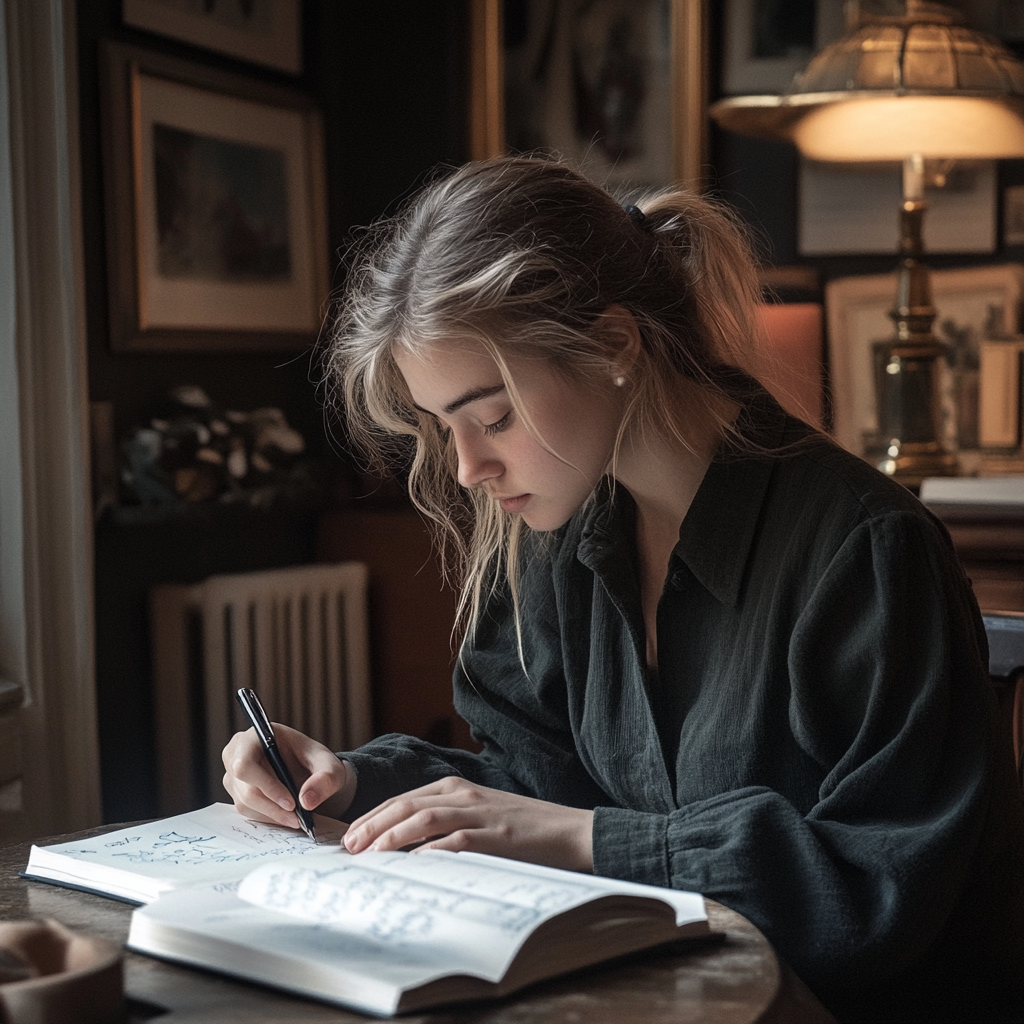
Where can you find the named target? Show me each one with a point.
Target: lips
(514, 504)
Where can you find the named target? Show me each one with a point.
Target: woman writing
(705, 648)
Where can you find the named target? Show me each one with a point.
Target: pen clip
(254, 709)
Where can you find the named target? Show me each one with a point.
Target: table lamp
(916, 87)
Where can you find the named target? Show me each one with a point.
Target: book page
(209, 926)
(689, 906)
(143, 860)
(478, 911)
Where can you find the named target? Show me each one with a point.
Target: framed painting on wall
(616, 87)
(215, 208)
(768, 41)
(261, 31)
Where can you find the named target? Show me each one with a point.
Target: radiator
(297, 636)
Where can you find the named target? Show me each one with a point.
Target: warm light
(903, 88)
(945, 127)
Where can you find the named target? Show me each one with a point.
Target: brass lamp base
(910, 463)
(907, 383)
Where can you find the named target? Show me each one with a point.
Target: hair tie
(637, 216)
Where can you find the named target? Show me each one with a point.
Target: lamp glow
(902, 88)
(890, 128)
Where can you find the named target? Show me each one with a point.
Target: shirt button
(679, 579)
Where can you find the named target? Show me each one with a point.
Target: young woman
(704, 647)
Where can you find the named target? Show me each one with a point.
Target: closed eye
(496, 428)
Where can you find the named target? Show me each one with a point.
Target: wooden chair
(1005, 632)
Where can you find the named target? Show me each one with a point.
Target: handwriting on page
(235, 841)
(395, 909)
(173, 848)
(391, 909)
(504, 883)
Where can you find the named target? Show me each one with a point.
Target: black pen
(254, 709)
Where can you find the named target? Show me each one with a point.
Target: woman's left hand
(454, 814)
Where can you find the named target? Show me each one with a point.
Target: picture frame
(667, 68)
(215, 208)
(857, 317)
(267, 32)
(766, 42)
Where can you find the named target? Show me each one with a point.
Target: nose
(476, 463)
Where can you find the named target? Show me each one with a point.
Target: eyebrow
(473, 395)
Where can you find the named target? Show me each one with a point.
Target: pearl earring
(618, 381)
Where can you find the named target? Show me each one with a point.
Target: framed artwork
(616, 87)
(766, 42)
(261, 31)
(857, 311)
(215, 208)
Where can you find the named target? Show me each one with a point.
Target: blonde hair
(522, 255)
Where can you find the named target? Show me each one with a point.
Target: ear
(621, 333)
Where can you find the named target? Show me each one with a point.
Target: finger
(368, 829)
(256, 815)
(248, 777)
(427, 823)
(326, 777)
(403, 804)
(250, 802)
(478, 840)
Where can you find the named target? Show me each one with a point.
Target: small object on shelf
(194, 453)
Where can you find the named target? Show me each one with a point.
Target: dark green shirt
(819, 749)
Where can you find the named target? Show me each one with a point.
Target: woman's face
(544, 474)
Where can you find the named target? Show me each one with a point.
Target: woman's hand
(454, 814)
(326, 783)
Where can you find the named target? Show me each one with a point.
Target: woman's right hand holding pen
(326, 783)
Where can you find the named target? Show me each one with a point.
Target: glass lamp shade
(918, 83)
(888, 128)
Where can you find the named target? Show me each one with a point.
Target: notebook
(139, 863)
(390, 932)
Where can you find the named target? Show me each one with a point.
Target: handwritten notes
(142, 861)
(388, 932)
(429, 901)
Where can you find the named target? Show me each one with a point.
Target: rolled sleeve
(631, 845)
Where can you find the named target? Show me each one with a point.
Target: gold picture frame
(688, 41)
(267, 32)
(215, 202)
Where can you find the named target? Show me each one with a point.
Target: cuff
(631, 845)
(373, 782)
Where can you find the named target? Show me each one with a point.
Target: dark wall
(390, 78)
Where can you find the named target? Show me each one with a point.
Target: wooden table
(735, 981)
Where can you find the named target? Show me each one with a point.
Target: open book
(139, 863)
(390, 932)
